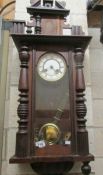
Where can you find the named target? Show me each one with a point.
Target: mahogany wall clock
(52, 133)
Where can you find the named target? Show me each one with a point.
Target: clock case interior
(48, 97)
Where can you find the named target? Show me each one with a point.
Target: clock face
(51, 67)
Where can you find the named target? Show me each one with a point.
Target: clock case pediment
(49, 20)
(58, 9)
(38, 4)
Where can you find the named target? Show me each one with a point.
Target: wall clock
(52, 133)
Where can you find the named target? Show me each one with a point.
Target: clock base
(55, 165)
(47, 168)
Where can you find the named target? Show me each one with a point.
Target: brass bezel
(56, 130)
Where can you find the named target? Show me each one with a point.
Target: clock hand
(52, 68)
(46, 69)
(55, 70)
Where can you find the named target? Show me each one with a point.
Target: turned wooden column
(81, 110)
(38, 24)
(22, 134)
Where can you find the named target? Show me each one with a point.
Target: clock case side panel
(73, 103)
(31, 98)
(40, 49)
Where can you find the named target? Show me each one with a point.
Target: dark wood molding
(70, 40)
(45, 11)
(68, 158)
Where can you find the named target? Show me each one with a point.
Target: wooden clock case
(48, 23)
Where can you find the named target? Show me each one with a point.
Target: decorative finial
(48, 3)
(53, 3)
(41, 2)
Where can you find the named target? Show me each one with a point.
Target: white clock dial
(51, 67)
